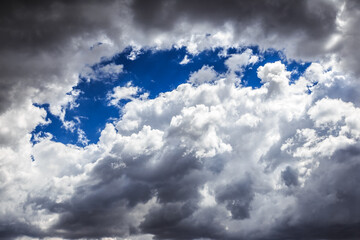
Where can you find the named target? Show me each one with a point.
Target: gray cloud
(308, 23)
(174, 176)
(40, 41)
(282, 17)
(309, 30)
(331, 192)
(44, 43)
(237, 197)
(290, 177)
(327, 205)
(13, 228)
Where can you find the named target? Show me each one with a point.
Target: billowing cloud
(151, 172)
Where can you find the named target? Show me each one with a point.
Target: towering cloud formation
(210, 159)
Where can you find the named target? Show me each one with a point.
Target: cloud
(204, 75)
(290, 177)
(52, 54)
(236, 62)
(272, 21)
(185, 60)
(237, 197)
(275, 76)
(46, 45)
(257, 157)
(108, 72)
(150, 178)
(19, 122)
(327, 193)
(122, 93)
(209, 159)
(153, 14)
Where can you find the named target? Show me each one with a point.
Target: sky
(174, 120)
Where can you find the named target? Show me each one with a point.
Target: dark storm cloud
(39, 25)
(311, 23)
(237, 196)
(332, 191)
(164, 220)
(314, 18)
(98, 208)
(328, 204)
(37, 37)
(347, 48)
(304, 27)
(101, 205)
(290, 177)
(178, 221)
(12, 228)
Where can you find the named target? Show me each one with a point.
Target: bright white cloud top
(211, 157)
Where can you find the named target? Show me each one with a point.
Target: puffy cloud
(275, 76)
(19, 122)
(200, 161)
(236, 62)
(182, 141)
(203, 75)
(122, 93)
(329, 111)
